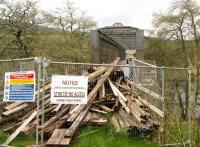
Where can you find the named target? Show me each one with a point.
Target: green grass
(107, 137)
(90, 137)
(20, 141)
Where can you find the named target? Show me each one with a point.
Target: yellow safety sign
(22, 81)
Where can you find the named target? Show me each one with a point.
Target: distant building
(117, 40)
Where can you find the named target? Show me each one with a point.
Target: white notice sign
(69, 89)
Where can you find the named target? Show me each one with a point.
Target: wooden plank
(46, 102)
(57, 108)
(116, 105)
(128, 119)
(137, 114)
(97, 73)
(16, 109)
(121, 122)
(88, 116)
(13, 105)
(105, 108)
(151, 93)
(29, 128)
(119, 98)
(94, 118)
(124, 105)
(152, 107)
(13, 125)
(139, 103)
(102, 92)
(99, 111)
(60, 122)
(48, 86)
(116, 123)
(57, 116)
(99, 101)
(55, 138)
(117, 92)
(100, 121)
(123, 86)
(92, 94)
(26, 122)
(70, 132)
(154, 123)
(16, 115)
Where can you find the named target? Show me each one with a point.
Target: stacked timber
(110, 92)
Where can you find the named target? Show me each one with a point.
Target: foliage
(27, 31)
(18, 28)
(177, 34)
(175, 42)
(74, 25)
(20, 141)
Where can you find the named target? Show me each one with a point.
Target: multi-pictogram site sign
(19, 86)
(69, 89)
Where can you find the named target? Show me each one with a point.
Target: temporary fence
(166, 90)
(10, 118)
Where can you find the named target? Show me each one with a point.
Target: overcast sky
(136, 13)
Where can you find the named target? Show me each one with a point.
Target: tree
(74, 24)
(172, 26)
(181, 25)
(70, 19)
(19, 25)
(192, 9)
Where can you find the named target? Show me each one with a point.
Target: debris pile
(109, 92)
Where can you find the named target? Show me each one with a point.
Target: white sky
(136, 13)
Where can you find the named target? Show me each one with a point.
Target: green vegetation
(91, 137)
(26, 31)
(107, 137)
(20, 141)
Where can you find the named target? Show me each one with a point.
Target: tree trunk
(187, 100)
(197, 87)
(21, 44)
(182, 111)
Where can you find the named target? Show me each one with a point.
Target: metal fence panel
(65, 68)
(9, 123)
(170, 85)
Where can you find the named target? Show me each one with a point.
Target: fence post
(39, 62)
(45, 64)
(162, 70)
(163, 86)
(189, 112)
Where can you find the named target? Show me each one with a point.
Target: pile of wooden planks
(109, 92)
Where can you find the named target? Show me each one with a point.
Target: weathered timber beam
(151, 93)
(26, 122)
(152, 107)
(91, 98)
